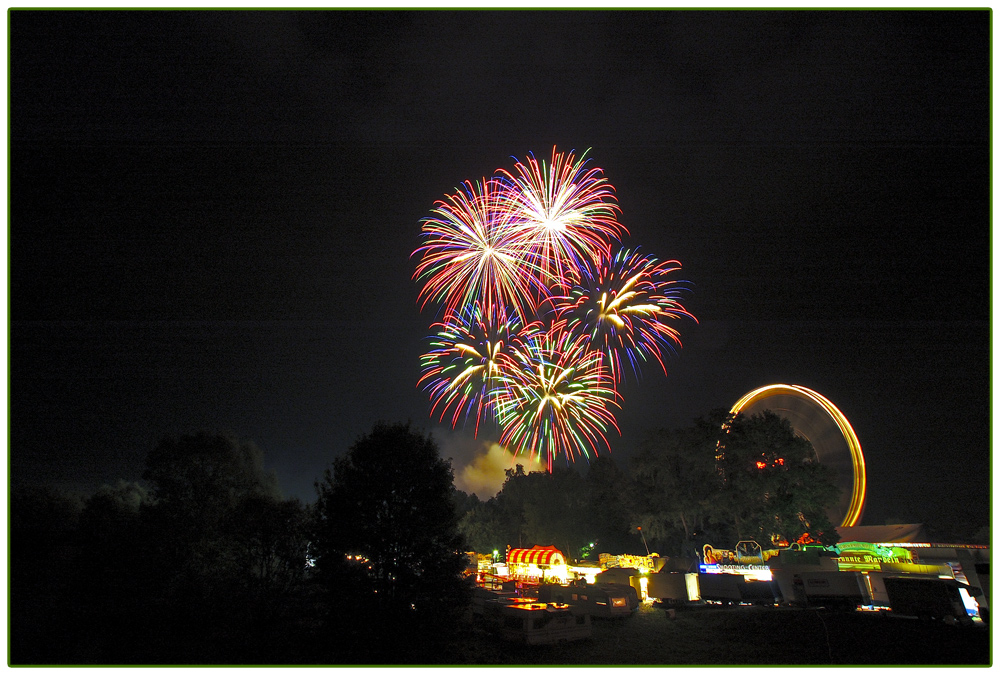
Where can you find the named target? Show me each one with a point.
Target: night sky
(212, 216)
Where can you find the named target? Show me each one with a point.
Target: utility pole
(643, 540)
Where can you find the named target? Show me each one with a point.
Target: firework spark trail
(623, 305)
(471, 254)
(464, 360)
(556, 399)
(563, 213)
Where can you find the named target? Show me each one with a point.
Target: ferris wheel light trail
(857, 503)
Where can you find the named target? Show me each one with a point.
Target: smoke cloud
(480, 466)
(487, 472)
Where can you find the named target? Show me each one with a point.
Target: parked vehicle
(828, 588)
(481, 596)
(538, 623)
(938, 599)
(734, 589)
(672, 588)
(599, 600)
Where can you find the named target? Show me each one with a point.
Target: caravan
(537, 623)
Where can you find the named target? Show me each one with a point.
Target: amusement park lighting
(857, 504)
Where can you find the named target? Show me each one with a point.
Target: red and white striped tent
(539, 555)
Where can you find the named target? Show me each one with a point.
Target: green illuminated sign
(865, 552)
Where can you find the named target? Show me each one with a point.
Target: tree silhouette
(222, 547)
(270, 542)
(674, 483)
(555, 510)
(773, 486)
(484, 527)
(386, 537)
(43, 550)
(607, 508)
(197, 483)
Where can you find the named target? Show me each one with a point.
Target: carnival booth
(939, 580)
(537, 564)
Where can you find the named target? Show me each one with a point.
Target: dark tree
(387, 536)
(114, 585)
(608, 516)
(111, 532)
(559, 509)
(773, 486)
(484, 528)
(198, 481)
(674, 484)
(510, 504)
(548, 509)
(222, 549)
(202, 476)
(555, 510)
(42, 558)
(270, 540)
(464, 502)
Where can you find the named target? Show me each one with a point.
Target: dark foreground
(745, 636)
(697, 635)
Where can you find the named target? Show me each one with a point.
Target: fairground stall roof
(539, 555)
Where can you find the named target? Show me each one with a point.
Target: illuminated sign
(854, 553)
(868, 559)
(723, 556)
(642, 563)
(748, 572)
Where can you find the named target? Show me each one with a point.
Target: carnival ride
(820, 422)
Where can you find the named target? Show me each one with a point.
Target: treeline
(718, 481)
(206, 563)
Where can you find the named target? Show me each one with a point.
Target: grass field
(712, 635)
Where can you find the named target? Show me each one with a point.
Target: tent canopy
(539, 555)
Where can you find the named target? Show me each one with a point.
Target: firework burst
(623, 306)
(540, 306)
(472, 256)
(563, 213)
(556, 399)
(465, 358)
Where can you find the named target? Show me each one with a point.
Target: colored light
(857, 504)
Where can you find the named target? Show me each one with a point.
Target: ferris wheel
(820, 422)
